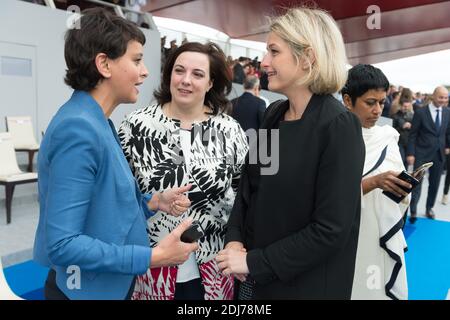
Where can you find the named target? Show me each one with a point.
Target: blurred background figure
(402, 123)
(248, 109)
(428, 141)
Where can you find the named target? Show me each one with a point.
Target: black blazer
(424, 140)
(238, 73)
(300, 225)
(248, 110)
(399, 120)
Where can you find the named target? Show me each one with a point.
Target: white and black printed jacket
(151, 143)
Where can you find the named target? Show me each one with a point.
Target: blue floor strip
(25, 278)
(427, 264)
(34, 295)
(408, 230)
(428, 259)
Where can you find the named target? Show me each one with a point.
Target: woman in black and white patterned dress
(185, 138)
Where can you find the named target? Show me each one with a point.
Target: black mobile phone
(405, 176)
(193, 233)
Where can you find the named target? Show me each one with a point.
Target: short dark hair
(362, 78)
(404, 100)
(395, 94)
(219, 73)
(100, 31)
(406, 94)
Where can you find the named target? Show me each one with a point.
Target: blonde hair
(304, 28)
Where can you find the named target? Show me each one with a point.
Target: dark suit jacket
(238, 73)
(248, 110)
(300, 225)
(424, 140)
(400, 118)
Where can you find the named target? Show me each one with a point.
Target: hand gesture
(174, 201)
(171, 250)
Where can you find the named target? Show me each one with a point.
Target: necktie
(437, 121)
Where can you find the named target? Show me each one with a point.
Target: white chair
(5, 291)
(10, 174)
(21, 129)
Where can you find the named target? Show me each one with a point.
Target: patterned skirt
(159, 283)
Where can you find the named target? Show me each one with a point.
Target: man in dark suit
(429, 140)
(248, 109)
(238, 70)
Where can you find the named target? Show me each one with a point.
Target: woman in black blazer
(293, 230)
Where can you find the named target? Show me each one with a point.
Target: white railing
(123, 12)
(141, 16)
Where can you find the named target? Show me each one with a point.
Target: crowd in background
(241, 238)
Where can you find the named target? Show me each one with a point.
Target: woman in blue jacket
(92, 225)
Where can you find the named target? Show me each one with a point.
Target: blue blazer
(92, 214)
(424, 139)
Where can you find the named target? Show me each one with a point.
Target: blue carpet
(427, 264)
(34, 295)
(409, 229)
(27, 280)
(428, 259)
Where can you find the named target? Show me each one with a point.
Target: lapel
(444, 121)
(114, 132)
(125, 166)
(431, 120)
(428, 116)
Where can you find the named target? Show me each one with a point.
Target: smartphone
(193, 233)
(405, 176)
(413, 179)
(420, 171)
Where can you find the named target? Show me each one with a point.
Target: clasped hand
(233, 260)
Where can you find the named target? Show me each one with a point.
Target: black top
(399, 120)
(300, 225)
(238, 73)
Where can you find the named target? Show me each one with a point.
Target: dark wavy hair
(219, 73)
(100, 31)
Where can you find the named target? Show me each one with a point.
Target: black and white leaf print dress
(151, 143)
